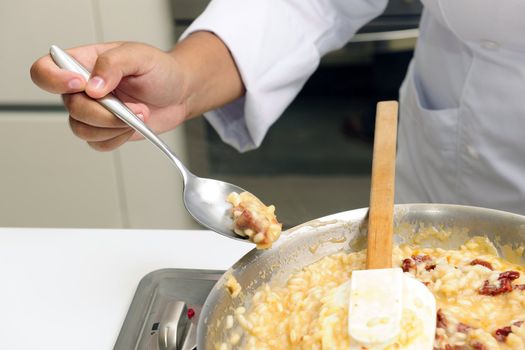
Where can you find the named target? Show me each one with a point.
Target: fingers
(111, 144)
(46, 74)
(109, 63)
(100, 139)
(91, 133)
(86, 110)
(93, 123)
(111, 66)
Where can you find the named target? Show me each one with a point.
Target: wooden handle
(381, 214)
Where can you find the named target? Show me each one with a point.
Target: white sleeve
(277, 45)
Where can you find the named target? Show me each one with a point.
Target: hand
(163, 88)
(149, 81)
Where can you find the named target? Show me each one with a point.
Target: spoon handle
(115, 106)
(381, 214)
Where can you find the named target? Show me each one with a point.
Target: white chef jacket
(462, 104)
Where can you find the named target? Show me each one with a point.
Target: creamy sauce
(301, 314)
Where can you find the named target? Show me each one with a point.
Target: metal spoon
(205, 199)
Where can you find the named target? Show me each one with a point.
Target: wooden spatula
(382, 298)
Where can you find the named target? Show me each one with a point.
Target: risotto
(253, 219)
(480, 299)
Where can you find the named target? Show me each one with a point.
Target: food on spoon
(480, 299)
(253, 219)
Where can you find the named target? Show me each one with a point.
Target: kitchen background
(315, 160)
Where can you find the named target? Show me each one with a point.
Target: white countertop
(71, 288)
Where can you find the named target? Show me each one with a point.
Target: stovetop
(165, 310)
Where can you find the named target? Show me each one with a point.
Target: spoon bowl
(204, 199)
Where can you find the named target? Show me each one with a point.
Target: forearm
(211, 75)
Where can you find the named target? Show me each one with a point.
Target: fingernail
(141, 116)
(96, 83)
(74, 84)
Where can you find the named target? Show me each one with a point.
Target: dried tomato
(407, 264)
(482, 263)
(429, 267)
(505, 286)
(441, 320)
(511, 275)
(502, 333)
(245, 220)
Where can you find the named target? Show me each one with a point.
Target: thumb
(113, 65)
(46, 74)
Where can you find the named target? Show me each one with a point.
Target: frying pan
(346, 231)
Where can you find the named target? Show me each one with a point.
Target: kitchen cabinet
(27, 29)
(152, 186)
(49, 178)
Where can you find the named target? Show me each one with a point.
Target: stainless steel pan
(313, 240)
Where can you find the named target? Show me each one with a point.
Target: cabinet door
(153, 185)
(137, 20)
(27, 29)
(48, 178)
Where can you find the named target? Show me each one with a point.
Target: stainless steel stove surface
(165, 310)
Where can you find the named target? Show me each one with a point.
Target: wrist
(181, 84)
(208, 73)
